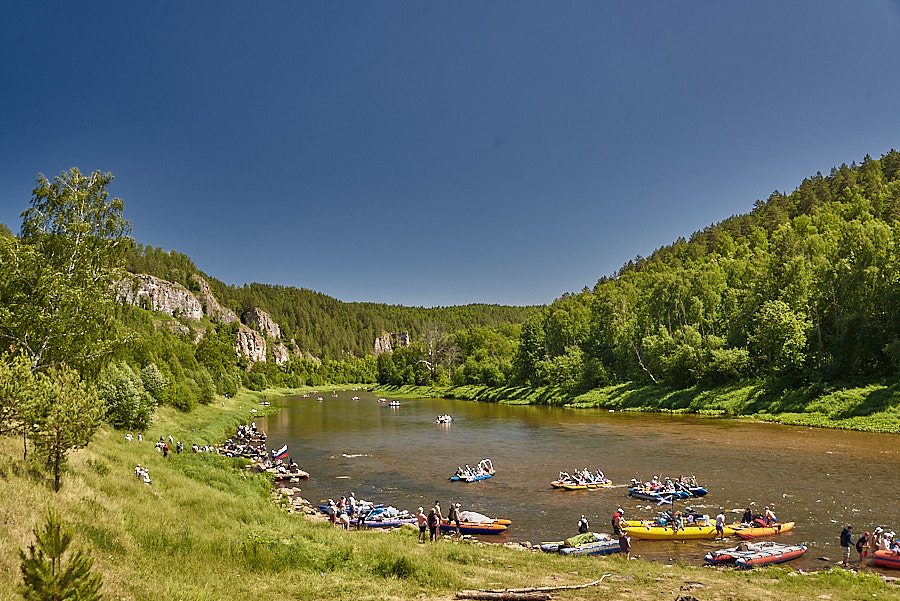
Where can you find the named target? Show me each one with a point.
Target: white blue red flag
(280, 453)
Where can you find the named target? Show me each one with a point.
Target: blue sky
(439, 153)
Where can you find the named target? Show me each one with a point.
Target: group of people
(248, 442)
(665, 484)
(469, 472)
(584, 476)
(867, 544)
(430, 524)
(340, 513)
(141, 473)
(767, 518)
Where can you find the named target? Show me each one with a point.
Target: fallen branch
(523, 594)
(504, 596)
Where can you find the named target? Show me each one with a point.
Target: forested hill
(322, 325)
(804, 287)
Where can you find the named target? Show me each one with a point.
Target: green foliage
(48, 576)
(183, 398)
(128, 403)
(66, 417)
(156, 384)
(56, 279)
(803, 288)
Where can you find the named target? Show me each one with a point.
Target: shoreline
(834, 408)
(206, 530)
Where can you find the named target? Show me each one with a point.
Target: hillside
(803, 288)
(324, 326)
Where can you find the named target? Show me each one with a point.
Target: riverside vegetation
(208, 530)
(789, 313)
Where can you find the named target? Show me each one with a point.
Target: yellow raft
(651, 531)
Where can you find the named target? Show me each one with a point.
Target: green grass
(208, 530)
(870, 407)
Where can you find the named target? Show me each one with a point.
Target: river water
(821, 479)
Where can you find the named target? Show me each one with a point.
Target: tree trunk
(57, 459)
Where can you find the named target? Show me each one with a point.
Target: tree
(779, 339)
(128, 403)
(67, 416)
(19, 392)
(57, 278)
(47, 577)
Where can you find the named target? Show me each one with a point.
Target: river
(821, 479)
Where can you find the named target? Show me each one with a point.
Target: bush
(128, 405)
(183, 399)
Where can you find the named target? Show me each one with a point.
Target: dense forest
(803, 288)
(321, 325)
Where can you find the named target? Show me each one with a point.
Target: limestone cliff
(210, 305)
(159, 295)
(260, 320)
(386, 342)
(251, 344)
(280, 353)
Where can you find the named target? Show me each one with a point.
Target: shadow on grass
(877, 401)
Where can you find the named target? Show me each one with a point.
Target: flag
(664, 500)
(280, 453)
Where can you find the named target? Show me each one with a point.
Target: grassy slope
(205, 530)
(873, 407)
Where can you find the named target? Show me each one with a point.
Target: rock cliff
(259, 319)
(210, 305)
(251, 344)
(386, 342)
(159, 295)
(280, 353)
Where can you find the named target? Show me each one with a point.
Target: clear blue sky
(439, 153)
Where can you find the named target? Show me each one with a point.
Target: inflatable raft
(749, 555)
(590, 543)
(471, 522)
(886, 559)
(580, 485)
(653, 530)
(757, 531)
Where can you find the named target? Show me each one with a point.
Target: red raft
(886, 559)
(751, 555)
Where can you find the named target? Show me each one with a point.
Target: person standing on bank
(583, 525)
(453, 516)
(422, 519)
(846, 542)
(862, 546)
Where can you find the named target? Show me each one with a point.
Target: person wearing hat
(873, 541)
(862, 546)
(846, 541)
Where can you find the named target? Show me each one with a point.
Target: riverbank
(206, 530)
(872, 407)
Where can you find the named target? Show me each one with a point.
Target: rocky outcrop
(212, 307)
(280, 353)
(173, 299)
(260, 320)
(159, 295)
(250, 344)
(387, 342)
